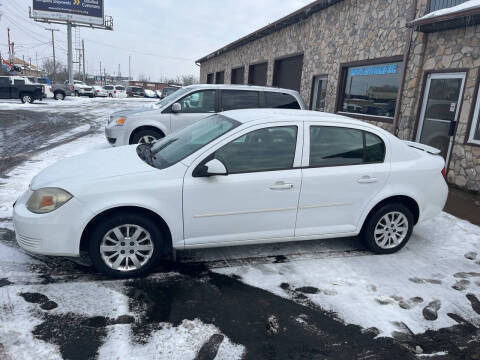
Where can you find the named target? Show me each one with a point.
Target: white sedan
(236, 178)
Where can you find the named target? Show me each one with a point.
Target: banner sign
(84, 11)
(374, 70)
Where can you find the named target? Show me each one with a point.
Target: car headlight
(46, 200)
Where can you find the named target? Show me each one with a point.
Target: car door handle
(281, 186)
(367, 180)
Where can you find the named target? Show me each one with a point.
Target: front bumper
(57, 233)
(116, 135)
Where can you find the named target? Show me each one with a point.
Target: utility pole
(129, 68)
(53, 48)
(83, 57)
(101, 78)
(70, 56)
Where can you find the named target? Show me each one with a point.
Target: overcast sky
(164, 37)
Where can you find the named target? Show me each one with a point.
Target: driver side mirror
(176, 107)
(215, 168)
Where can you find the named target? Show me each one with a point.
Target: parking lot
(314, 300)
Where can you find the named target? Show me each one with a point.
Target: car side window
(260, 150)
(338, 146)
(277, 100)
(199, 102)
(4, 81)
(239, 99)
(18, 82)
(374, 148)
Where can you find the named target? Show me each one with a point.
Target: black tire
(147, 132)
(111, 222)
(24, 98)
(58, 95)
(368, 232)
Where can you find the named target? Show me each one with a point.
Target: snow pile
(428, 279)
(468, 5)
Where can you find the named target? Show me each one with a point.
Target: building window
(442, 4)
(238, 75)
(474, 136)
(210, 78)
(319, 93)
(220, 77)
(257, 74)
(287, 72)
(370, 90)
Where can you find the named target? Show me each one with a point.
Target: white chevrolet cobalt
(236, 178)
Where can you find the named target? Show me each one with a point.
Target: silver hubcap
(26, 99)
(126, 247)
(391, 230)
(147, 139)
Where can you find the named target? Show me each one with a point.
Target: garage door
(287, 72)
(220, 77)
(238, 75)
(257, 74)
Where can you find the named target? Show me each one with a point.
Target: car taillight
(51, 90)
(98, 91)
(444, 172)
(43, 89)
(115, 91)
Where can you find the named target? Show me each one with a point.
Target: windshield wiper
(144, 151)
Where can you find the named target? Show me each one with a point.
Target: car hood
(92, 166)
(133, 111)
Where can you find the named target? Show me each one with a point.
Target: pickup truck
(16, 87)
(82, 89)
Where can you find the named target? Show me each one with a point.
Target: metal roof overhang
(455, 20)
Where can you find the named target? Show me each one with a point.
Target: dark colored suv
(135, 91)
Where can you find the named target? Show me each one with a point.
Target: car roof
(241, 87)
(249, 115)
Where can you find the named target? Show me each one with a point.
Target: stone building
(409, 66)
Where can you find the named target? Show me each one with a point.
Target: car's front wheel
(59, 95)
(146, 136)
(126, 245)
(388, 229)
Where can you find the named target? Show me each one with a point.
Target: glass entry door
(440, 111)
(319, 93)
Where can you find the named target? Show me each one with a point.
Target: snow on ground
(386, 291)
(467, 5)
(181, 342)
(20, 177)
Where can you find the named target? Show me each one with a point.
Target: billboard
(83, 11)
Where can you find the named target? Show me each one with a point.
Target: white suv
(116, 91)
(190, 104)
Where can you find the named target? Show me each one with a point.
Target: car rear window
(239, 99)
(108, 87)
(277, 100)
(121, 88)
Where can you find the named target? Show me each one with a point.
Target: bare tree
(47, 66)
(190, 80)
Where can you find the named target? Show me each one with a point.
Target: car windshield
(176, 95)
(176, 147)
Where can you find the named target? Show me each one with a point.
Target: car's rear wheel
(126, 245)
(59, 95)
(388, 229)
(26, 98)
(146, 136)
